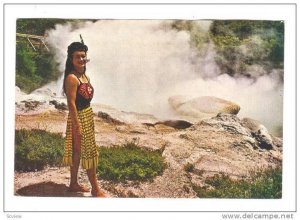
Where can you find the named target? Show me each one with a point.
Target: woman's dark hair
(75, 46)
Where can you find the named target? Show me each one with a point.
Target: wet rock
(31, 105)
(202, 107)
(250, 128)
(177, 124)
(107, 118)
(259, 132)
(59, 105)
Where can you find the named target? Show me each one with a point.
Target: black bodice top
(85, 93)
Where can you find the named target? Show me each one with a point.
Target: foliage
(263, 184)
(35, 68)
(34, 149)
(242, 43)
(189, 167)
(27, 84)
(25, 60)
(199, 38)
(37, 26)
(47, 69)
(129, 162)
(179, 25)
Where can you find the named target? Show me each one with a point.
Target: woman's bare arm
(71, 84)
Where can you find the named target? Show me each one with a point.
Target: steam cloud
(136, 65)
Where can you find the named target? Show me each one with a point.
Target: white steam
(136, 65)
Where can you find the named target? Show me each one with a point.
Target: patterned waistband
(80, 108)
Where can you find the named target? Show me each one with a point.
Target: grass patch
(129, 162)
(263, 184)
(34, 149)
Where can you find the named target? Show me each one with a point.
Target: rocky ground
(221, 144)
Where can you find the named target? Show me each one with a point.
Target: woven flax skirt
(89, 151)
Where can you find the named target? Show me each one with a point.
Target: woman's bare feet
(78, 188)
(97, 193)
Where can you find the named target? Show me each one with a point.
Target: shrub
(33, 69)
(27, 84)
(189, 167)
(129, 162)
(34, 149)
(240, 43)
(263, 184)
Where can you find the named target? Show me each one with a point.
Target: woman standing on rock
(80, 145)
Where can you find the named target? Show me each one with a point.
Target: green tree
(26, 68)
(242, 43)
(36, 68)
(37, 26)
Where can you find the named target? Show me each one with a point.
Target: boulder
(107, 118)
(177, 124)
(202, 107)
(59, 105)
(31, 105)
(259, 131)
